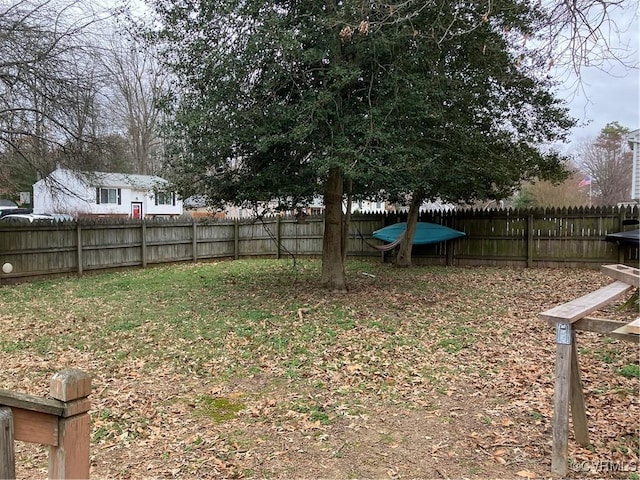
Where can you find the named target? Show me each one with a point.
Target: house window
(108, 195)
(165, 198)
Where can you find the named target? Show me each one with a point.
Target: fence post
(7, 453)
(278, 234)
(530, 240)
(194, 241)
(384, 224)
(236, 240)
(621, 216)
(79, 250)
(143, 243)
(450, 244)
(70, 458)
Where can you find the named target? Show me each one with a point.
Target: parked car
(7, 206)
(4, 211)
(26, 218)
(60, 217)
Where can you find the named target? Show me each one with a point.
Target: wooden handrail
(32, 403)
(581, 307)
(62, 422)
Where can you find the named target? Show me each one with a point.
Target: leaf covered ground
(247, 369)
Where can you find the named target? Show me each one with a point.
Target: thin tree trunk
(403, 259)
(333, 274)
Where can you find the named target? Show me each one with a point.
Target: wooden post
(449, 247)
(236, 240)
(450, 244)
(564, 344)
(619, 248)
(79, 248)
(530, 240)
(7, 453)
(143, 243)
(382, 252)
(70, 458)
(194, 241)
(578, 412)
(278, 234)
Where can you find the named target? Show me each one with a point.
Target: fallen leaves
(526, 474)
(320, 377)
(353, 368)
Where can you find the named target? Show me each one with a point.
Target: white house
(366, 206)
(634, 142)
(105, 194)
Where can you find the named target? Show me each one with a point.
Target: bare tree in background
(549, 194)
(42, 47)
(82, 115)
(582, 33)
(607, 161)
(137, 85)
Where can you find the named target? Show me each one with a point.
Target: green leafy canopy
(443, 96)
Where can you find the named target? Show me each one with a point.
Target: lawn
(247, 369)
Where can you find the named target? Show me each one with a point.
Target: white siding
(67, 192)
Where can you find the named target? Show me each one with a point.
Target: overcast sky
(611, 93)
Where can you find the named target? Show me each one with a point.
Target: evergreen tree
(288, 99)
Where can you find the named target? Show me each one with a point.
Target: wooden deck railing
(62, 422)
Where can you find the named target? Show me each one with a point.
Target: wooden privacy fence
(538, 237)
(543, 237)
(62, 423)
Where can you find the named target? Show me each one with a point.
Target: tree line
(601, 174)
(77, 90)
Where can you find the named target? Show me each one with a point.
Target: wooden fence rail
(61, 422)
(537, 237)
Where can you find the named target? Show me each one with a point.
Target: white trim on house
(104, 194)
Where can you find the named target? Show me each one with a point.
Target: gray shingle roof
(116, 180)
(144, 182)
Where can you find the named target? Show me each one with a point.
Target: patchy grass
(248, 369)
(630, 371)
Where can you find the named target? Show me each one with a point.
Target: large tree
(287, 99)
(607, 161)
(136, 86)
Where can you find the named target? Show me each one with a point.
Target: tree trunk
(333, 275)
(403, 259)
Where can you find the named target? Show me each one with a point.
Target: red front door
(136, 210)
